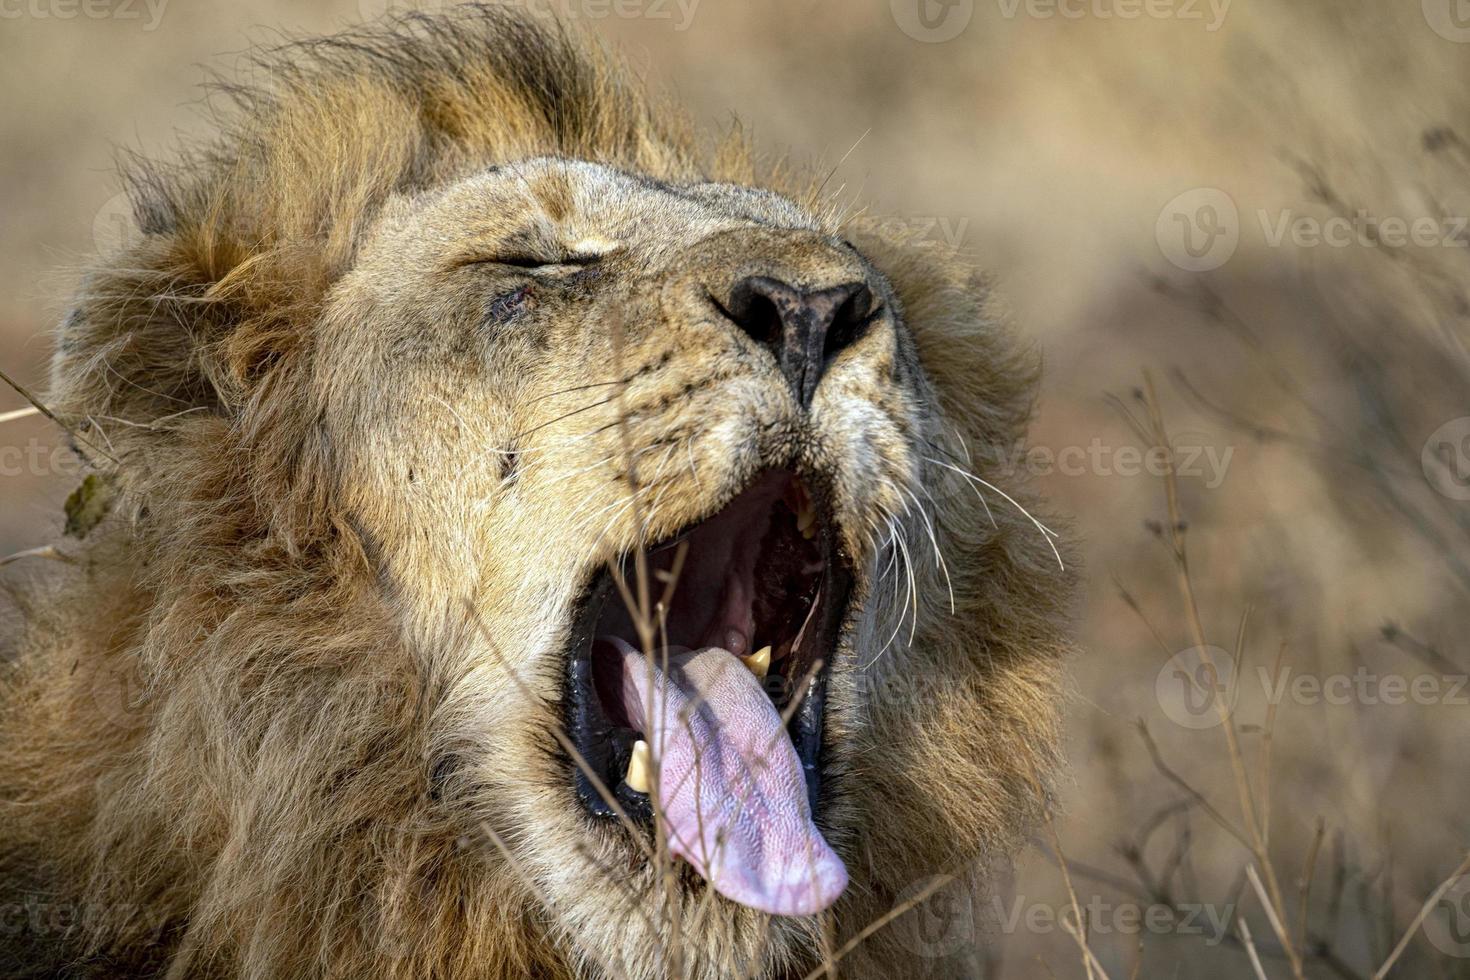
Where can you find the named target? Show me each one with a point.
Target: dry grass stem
(1079, 933)
(1420, 916)
(46, 551)
(1176, 537)
(529, 881)
(43, 410)
(879, 923)
(1250, 948)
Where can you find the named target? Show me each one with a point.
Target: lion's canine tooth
(759, 662)
(640, 768)
(800, 501)
(806, 520)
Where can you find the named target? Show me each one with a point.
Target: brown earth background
(1316, 392)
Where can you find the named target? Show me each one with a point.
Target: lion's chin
(696, 686)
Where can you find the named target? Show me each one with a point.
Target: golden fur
(261, 727)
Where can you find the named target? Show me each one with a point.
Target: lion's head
(471, 427)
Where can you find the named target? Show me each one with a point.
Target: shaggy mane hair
(213, 753)
(242, 238)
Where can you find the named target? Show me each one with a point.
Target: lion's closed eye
(526, 260)
(536, 255)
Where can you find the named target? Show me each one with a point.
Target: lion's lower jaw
(432, 903)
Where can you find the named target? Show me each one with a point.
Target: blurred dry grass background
(1049, 148)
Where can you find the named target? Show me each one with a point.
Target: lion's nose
(804, 329)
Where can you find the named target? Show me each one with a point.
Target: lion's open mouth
(720, 720)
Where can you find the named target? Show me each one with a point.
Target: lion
(491, 458)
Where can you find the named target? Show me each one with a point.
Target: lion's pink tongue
(730, 786)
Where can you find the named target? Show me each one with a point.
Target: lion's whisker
(911, 598)
(1047, 533)
(913, 590)
(562, 418)
(895, 550)
(934, 540)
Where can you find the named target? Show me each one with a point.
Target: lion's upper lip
(765, 570)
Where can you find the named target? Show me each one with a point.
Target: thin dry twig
(530, 882)
(641, 609)
(1182, 783)
(1419, 918)
(1088, 958)
(1304, 883)
(1268, 733)
(1250, 947)
(1277, 926)
(1079, 933)
(46, 551)
(556, 732)
(20, 413)
(1176, 538)
(1419, 650)
(1132, 603)
(42, 409)
(879, 923)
